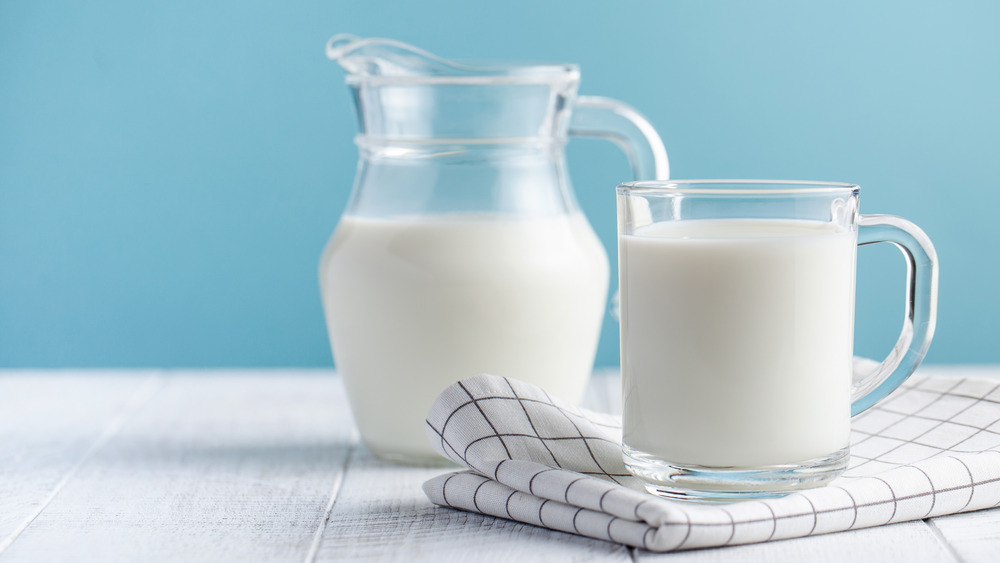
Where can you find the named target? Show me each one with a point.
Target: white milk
(415, 304)
(737, 340)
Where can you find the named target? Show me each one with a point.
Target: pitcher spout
(405, 93)
(389, 58)
(375, 56)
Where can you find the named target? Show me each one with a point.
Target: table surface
(266, 465)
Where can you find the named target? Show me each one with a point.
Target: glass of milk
(462, 249)
(737, 329)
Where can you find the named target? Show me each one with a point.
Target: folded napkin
(931, 448)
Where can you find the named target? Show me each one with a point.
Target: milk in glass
(745, 326)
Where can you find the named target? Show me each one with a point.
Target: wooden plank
(237, 467)
(912, 542)
(248, 466)
(51, 422)
(382, 514)
(974, 536)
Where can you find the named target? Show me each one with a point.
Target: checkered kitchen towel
(931, 448)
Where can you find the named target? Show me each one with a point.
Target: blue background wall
(169, 171)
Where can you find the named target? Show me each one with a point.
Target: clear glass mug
(737, 328)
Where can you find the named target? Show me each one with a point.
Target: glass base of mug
(728, 484)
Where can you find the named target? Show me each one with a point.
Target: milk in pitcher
(414, 304)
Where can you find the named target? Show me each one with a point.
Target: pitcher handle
(604, 118)
(921, 307)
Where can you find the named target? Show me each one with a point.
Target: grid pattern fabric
(929, 449)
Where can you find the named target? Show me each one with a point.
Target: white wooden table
(266, 466)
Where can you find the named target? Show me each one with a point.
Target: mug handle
(611, 120)
(920, 314)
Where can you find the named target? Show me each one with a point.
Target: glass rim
(736, 187)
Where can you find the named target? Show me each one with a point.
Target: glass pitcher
(462, 249)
